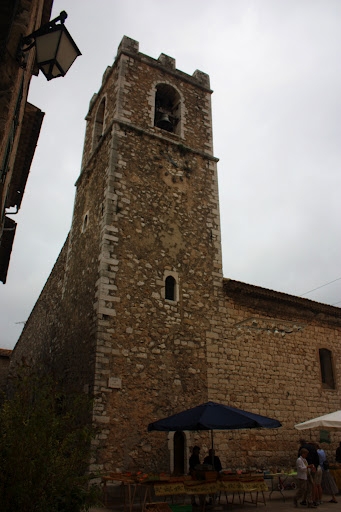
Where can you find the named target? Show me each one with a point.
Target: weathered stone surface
(4, 367)
(146, 208)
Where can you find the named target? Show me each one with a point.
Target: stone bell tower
(136, 312)
(142, 290)
(146, 228)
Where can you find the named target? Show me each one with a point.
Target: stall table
(248, 488)
(131, 488)
(280, 483)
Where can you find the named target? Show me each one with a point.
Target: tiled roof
(237, 288)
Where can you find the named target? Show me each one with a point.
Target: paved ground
(275, 504)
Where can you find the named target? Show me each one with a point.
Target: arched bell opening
(167, 108)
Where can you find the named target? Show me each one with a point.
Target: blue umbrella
(212, 416)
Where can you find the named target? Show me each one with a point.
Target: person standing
(328, 483)
(318, 476)
(213, 460)
(302, 467)
(313, 463)
(338, 453)
(194, 460)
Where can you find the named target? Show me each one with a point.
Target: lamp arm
(29, 40)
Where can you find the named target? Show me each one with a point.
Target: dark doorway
(179, 453)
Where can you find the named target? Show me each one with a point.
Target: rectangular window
(326, 365)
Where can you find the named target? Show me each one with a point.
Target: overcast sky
(275, 68)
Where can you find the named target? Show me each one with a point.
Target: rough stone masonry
(136, 310)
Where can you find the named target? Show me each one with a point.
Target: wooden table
(129, 489)
(278, 482)
(145, 489)
(241, 486)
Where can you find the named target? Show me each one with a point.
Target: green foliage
(45, 441)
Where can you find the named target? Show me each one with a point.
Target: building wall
(268, 362)
(4, 367)
(18, 18)
(160, 194)
(147, 208)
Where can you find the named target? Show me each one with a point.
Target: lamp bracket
(28, 41)
(55, 48)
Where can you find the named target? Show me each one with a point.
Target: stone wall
(147, 208)
(4, 368)
(160, 213)
(19, 121)
(268, 362)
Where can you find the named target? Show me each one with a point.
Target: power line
(322, 286)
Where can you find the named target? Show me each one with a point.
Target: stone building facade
(136, 310)
(5, 356)
(20, 121)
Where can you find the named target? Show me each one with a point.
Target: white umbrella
(332, 420)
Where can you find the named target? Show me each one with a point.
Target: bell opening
(165, 123)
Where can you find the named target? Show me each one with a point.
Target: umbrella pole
(212, 449)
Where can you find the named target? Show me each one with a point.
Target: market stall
(210, 416)
(213, 416)
(143, 489)
(327, 421)
(281, 481)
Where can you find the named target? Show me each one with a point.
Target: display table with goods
(281, 481)
(143, 488)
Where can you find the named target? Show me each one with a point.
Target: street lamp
(55, 48)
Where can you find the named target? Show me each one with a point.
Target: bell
(164, 123)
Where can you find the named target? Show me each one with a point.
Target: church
(136, 311)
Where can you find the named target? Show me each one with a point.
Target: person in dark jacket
(312, 457)
(213, 460)
(194, 460)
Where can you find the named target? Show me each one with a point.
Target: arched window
(167, 108)
(85, 222)
(99, 122)
(170, 288)
(326, 365)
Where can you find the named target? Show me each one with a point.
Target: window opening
(170, 284)
(85, 222)
(167, 108)
(326, 364)
(99, 122)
